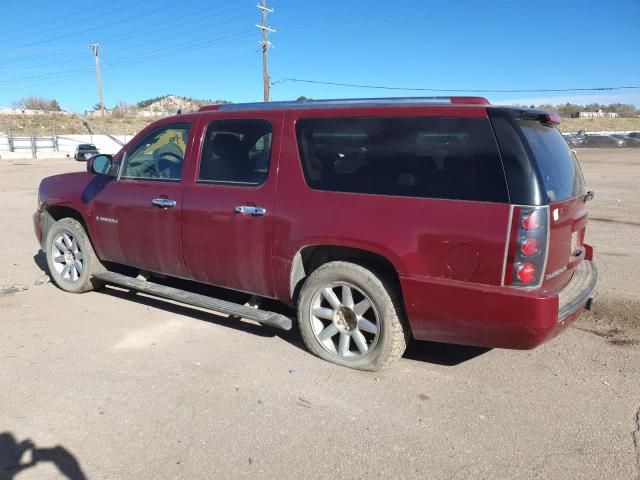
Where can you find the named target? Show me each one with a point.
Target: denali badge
(551, 275)
(106, 219)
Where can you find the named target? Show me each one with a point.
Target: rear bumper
(577, 292)
(492, 316)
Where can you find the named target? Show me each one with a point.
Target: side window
(454, 158)
(159, 156)
(236, 151)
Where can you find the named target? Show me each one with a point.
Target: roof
(346, 102)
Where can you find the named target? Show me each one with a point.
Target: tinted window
(159, 156)
(559, 169)
(453, 158)
(86, 147)
(522, 179)
(236, 151)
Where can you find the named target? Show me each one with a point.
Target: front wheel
(70, 256)
(348, 316)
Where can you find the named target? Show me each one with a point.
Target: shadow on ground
(445, 354)
(40, 259)
(429, 352)
(16, 457)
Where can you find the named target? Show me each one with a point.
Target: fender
(295, 271)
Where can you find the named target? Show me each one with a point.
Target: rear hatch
(560, 184)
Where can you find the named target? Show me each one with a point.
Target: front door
(227, 216)
(137, 217)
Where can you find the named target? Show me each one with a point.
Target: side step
(222, 306)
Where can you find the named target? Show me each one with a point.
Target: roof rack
(347, 102)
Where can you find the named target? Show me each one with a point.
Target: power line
(134, 60)
(459, 90)
(130, 47)
(405, 17)
(110, 24)
(196, 44)
(48, 20)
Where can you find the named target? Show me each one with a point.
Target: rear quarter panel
(445, 239)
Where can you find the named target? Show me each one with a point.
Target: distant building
(26, 111)
(598, 114)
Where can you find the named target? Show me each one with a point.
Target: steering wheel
(174, 160)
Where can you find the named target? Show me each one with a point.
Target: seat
(224, 150)
(460, 174)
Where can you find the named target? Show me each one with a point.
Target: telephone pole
(96, 53)
(266, 45)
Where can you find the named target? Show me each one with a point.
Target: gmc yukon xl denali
(441, 219)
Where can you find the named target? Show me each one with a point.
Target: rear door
(227, 217)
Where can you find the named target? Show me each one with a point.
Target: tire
(377, 336)
(70, 257)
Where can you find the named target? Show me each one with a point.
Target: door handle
(250, 211)
(163, 202)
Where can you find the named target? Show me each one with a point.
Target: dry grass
(43, 124)
(600, 124)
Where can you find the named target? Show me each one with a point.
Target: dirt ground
(116, 385)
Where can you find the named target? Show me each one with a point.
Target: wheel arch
(310, 257)
(58, 212)
(53, 213)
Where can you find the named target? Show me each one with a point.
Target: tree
(568, 108)
(623, 109)
(594, 107)
(33, 103)
(123, 109)
(548, 108)
(54, 106)
(302, 99)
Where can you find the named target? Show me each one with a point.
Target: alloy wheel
(344, 320)
(68, 260)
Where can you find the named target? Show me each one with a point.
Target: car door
(227, 216)
(137, 216)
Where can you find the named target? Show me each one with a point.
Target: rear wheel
(70, 256)
(348, 316)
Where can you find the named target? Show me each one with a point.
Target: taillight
(526, 273)
(527, 250)
(530, 246)
(532, 221)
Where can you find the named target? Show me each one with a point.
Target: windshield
(558, 166)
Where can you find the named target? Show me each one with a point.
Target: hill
(130, 123)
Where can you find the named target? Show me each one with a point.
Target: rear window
(86, 147)
(432, 157)
(559, 169)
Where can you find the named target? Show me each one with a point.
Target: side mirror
(100, 164)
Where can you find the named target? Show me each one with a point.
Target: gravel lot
(115, 385)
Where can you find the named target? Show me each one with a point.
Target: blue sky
(209, 49)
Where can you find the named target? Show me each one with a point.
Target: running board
(222, 306)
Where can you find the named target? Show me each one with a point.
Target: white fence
(55, 145)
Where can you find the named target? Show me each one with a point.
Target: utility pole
(96, 53)
(266, 45)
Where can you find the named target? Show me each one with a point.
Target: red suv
(444, 219)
